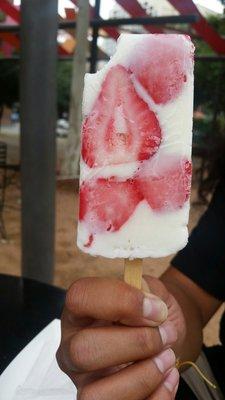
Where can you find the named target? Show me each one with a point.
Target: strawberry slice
(120, 128)
(106, 204)
(162, 65)
(166, 187)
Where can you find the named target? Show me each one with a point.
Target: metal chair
(3, 183)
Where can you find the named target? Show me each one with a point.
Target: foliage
(9, 82)
(209, 76)
(64, 77)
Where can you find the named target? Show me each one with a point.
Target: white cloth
(198, 386)
(34, 373)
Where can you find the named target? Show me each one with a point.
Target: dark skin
(110, 351)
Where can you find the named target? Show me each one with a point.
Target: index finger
(115, 301)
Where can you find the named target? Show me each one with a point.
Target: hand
(111, 347)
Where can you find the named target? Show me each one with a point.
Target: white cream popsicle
(136, 149)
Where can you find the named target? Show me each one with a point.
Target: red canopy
(133, 7)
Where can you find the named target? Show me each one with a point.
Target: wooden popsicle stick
(133, 272)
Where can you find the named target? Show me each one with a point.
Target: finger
(96, 348)
(115, 301)
(144, 286)
(135, 382)
(168, 389)
(156, 287)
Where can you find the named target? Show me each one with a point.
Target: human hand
(111, 347)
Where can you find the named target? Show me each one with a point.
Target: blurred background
(33, 172)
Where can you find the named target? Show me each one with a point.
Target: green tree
(64, 76)
(210, 76)
(9, 83)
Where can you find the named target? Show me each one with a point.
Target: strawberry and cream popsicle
(136, 149)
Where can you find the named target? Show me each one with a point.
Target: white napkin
(34, 373)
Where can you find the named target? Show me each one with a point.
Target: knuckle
(150, 384)
(132, 301)
(162, 393)
(145, 342)
(80, 352)
(149, 341)
(76, 294)
(146, 384)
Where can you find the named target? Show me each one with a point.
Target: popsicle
(136, 149)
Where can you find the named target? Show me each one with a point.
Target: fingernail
(168, 333)
(154, 309)
(165, 360)
(172, 379)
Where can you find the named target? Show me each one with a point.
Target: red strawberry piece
(161, 65)
(90, 241)
(167, 187)
(106, 204)
(120, 128)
